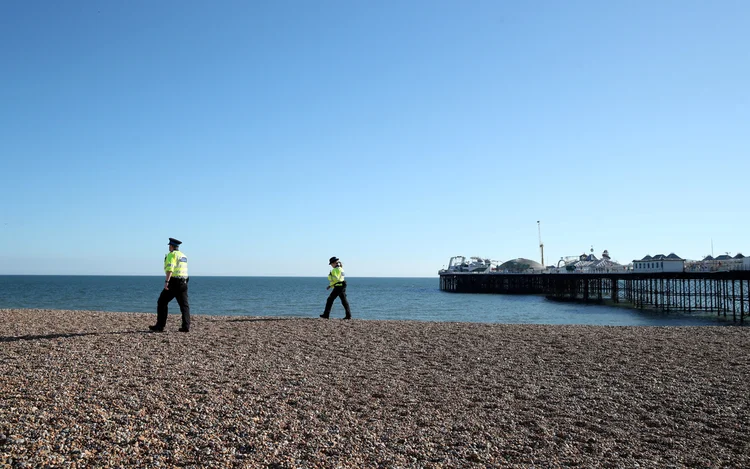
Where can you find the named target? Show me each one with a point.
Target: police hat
(174, 242)
(333, 259)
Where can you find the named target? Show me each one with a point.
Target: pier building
(659, 263)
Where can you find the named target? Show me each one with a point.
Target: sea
(404, 299)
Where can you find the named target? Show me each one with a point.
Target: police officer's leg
(345, 302)
(182, 300)
(329, 302)
(162, 306)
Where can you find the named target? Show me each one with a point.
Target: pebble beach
(93, 389)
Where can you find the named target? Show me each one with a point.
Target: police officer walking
(175, 286)
(337, 282)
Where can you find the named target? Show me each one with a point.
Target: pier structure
(725, 293)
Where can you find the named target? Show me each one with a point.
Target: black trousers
(178, 289)
(339, 292)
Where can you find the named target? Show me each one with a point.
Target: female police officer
(336, 280)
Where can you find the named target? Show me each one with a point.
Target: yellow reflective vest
(336, 277)
(176, 262)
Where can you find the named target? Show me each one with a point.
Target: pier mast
(541, 245)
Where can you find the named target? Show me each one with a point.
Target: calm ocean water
(370, 298)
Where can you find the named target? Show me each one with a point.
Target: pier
(725, 293)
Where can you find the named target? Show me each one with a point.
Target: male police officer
(175, 286)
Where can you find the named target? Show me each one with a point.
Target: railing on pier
(721, 292)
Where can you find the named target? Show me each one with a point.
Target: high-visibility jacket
(336, 277)
(177, 263)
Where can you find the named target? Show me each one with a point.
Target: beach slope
(93, 389)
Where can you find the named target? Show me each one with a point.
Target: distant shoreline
(436, 277)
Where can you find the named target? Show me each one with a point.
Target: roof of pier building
(595, 264)
(520, 265)
(660, 257)
(724, 257)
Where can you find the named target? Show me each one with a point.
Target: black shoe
(156, 329)
(348, 317)
(183, 329)
(324, 316)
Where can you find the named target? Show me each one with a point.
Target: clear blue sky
(269, 136)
